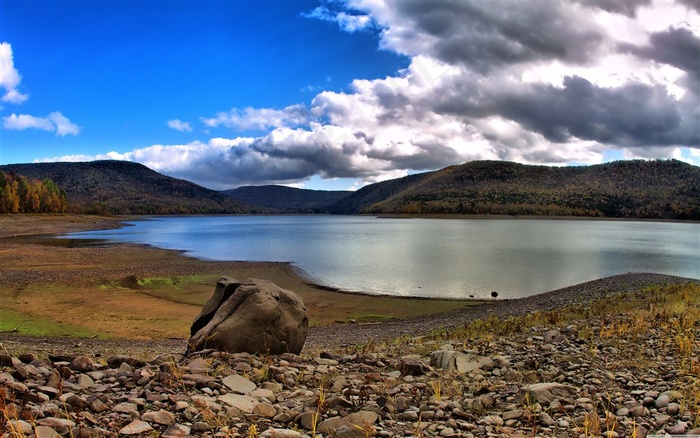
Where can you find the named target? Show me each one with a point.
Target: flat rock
(544, 393)
(239, 384)
(241, 402)
(161, 417)
(135, 427)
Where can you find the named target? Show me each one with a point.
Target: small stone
(662, 419)
(160, 417)
(544, 393)
(239, 384)
(640, 432)
(512, 415)
(21, 426)
(493, 420)
(136, 427)
(82, 364)
(45, 432)
(637, 411)
(127, 408)
(85, 381)
(673, 409)
(281, 433)
(662, 401)
(448, 431)
(412, 367)
(54, 379)
(241, 402)
(263, 393)
(98, 406)
(176, 430)
(116, 361)
(678, 429)
(265, 410)
(546, 420)
(61, 425)
(201, 426)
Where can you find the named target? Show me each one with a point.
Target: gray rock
(176, 430)
(46, 432)
(281, 433)
(136, 427)
(545, 420)
(673, 409)
(254, 316)
(662, 401)
(82, 363)
(461, 362)
(127, 408)
(265, 410)
(238, 384)
(544, 393)
(160, 417)
(241, 402)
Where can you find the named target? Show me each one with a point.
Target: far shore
(528, 217)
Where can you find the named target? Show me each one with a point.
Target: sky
(337, 94)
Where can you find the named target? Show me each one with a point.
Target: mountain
(662, 189)
(123, 187)
(287, 199)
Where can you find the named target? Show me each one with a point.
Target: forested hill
(287, 199)
(122, 187)
(665, 189)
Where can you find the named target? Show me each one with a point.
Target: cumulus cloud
(9, 77)
(54, 122)
(179, 125)
(535, 82)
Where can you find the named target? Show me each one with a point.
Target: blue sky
(338, 94)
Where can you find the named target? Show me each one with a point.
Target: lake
(447, 258)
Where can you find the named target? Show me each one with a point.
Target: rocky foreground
(624, 365)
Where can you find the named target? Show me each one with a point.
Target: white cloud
(347, 22)
(54, 122)
(25, 121)
(9, 77)
(259, 119)
(179, 125)
(63, 125)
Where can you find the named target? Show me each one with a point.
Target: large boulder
(252, 316)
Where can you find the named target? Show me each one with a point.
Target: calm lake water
(452, 258)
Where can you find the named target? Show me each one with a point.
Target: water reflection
(432, 257)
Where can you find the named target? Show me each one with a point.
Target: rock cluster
(541, 382)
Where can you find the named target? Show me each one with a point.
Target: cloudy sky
(336, 94)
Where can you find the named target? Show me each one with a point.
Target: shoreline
(529, 217)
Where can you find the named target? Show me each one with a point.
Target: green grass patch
(32, 325)
(186, 289)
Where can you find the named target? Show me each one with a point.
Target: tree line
(19, 194)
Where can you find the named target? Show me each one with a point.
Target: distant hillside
(667, 189)
(286, 199)
(122, 187)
